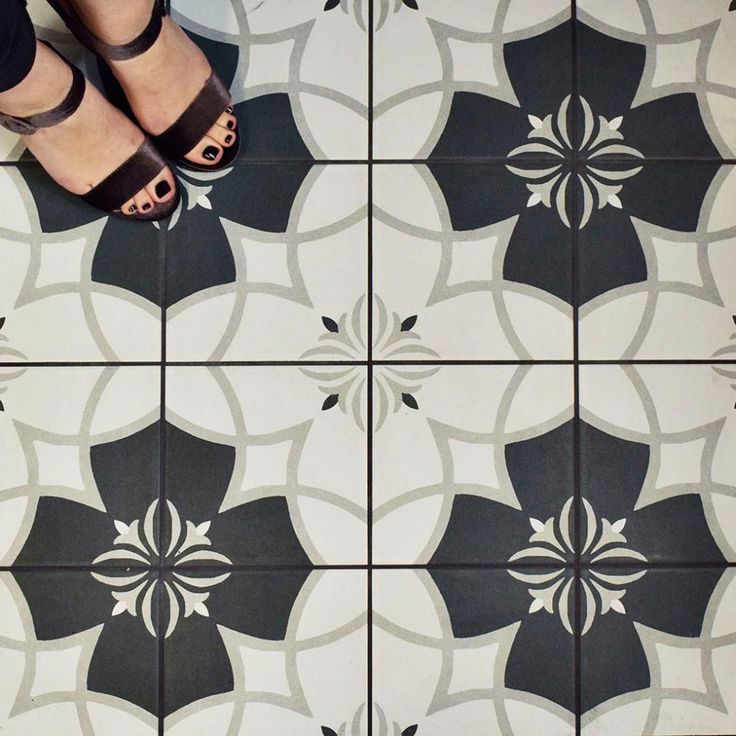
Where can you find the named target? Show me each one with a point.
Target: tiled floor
(419, 419)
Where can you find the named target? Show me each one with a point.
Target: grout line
(300, 363)
(369, 392)
(163, 275)
(577, 490)
(479, 566)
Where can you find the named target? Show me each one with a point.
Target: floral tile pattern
(418, 419)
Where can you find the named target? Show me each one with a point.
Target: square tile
(278, 651)
(459, 253)
(298, 74)
(266, 465)
(65, 652)
(262, 258)
(467, 463)
(75, 284)
(80, 459)
(461, 80)
(663, 661)
(657, 466)
(657, 268)
(458, 651)
(666, 69)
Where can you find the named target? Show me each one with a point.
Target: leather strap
(130, 177)
(68, 106)
(109, 51)
(196, 120)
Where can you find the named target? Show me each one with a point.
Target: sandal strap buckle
(19, 126)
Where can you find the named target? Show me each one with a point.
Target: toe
(162, 188)
(129, 208)
(222, 135)
(143, 202)
(207, 152)
(228, 120)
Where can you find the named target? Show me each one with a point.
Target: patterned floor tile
(459, 80)
(657, 463)
(460, 651)
(277, 652)
(490, 277)
(298, 73)
(466, 465)
(80, 463)
(284, 464)
(75, 285)
(662, 661)
(664, 257)
(268, 279)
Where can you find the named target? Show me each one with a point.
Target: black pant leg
(17, 43)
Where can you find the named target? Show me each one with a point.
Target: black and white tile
(419, 419)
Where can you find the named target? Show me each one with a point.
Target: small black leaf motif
(330, 324)
(330, 401)
(328, 731)
(410, 401)
(329, 5)
(2, 406)
(408, 323)
(732, 6)
(2, 322)
(413, 5)
(733, 316)
(410, 731)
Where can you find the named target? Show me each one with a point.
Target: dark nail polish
(228, 138)
(132, 208)
(163, 188)
(146, 206)
(230, 110)
(231, 124)
(210, 153)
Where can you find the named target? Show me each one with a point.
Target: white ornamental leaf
(204, 201)
(537, 525)
(536, 198)
(615, 123)
(203, 528)
(201, 609)
(122, 528)
(617, 606)
(120, 606)
(535, 121)
(618, 526)
(615, 201)
(537, 603)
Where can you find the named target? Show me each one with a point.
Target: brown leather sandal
(201, 114)
(119, 186)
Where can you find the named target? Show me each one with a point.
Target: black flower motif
(155, 574)
(586, 171)
(542, 535)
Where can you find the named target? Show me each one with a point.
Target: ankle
(113, 22)
(45, 86)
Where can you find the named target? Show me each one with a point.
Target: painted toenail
(231, 124)
(146, 207)
(210, 153)
(230, 110)
(163, 188)
(228, 138)
(131, 208)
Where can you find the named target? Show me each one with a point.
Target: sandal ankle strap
(68, 106)
(120, 52)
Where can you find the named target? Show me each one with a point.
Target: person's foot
(84, 149)
(161, 82)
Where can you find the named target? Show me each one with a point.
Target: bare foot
(84, 149)
(161, 82)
